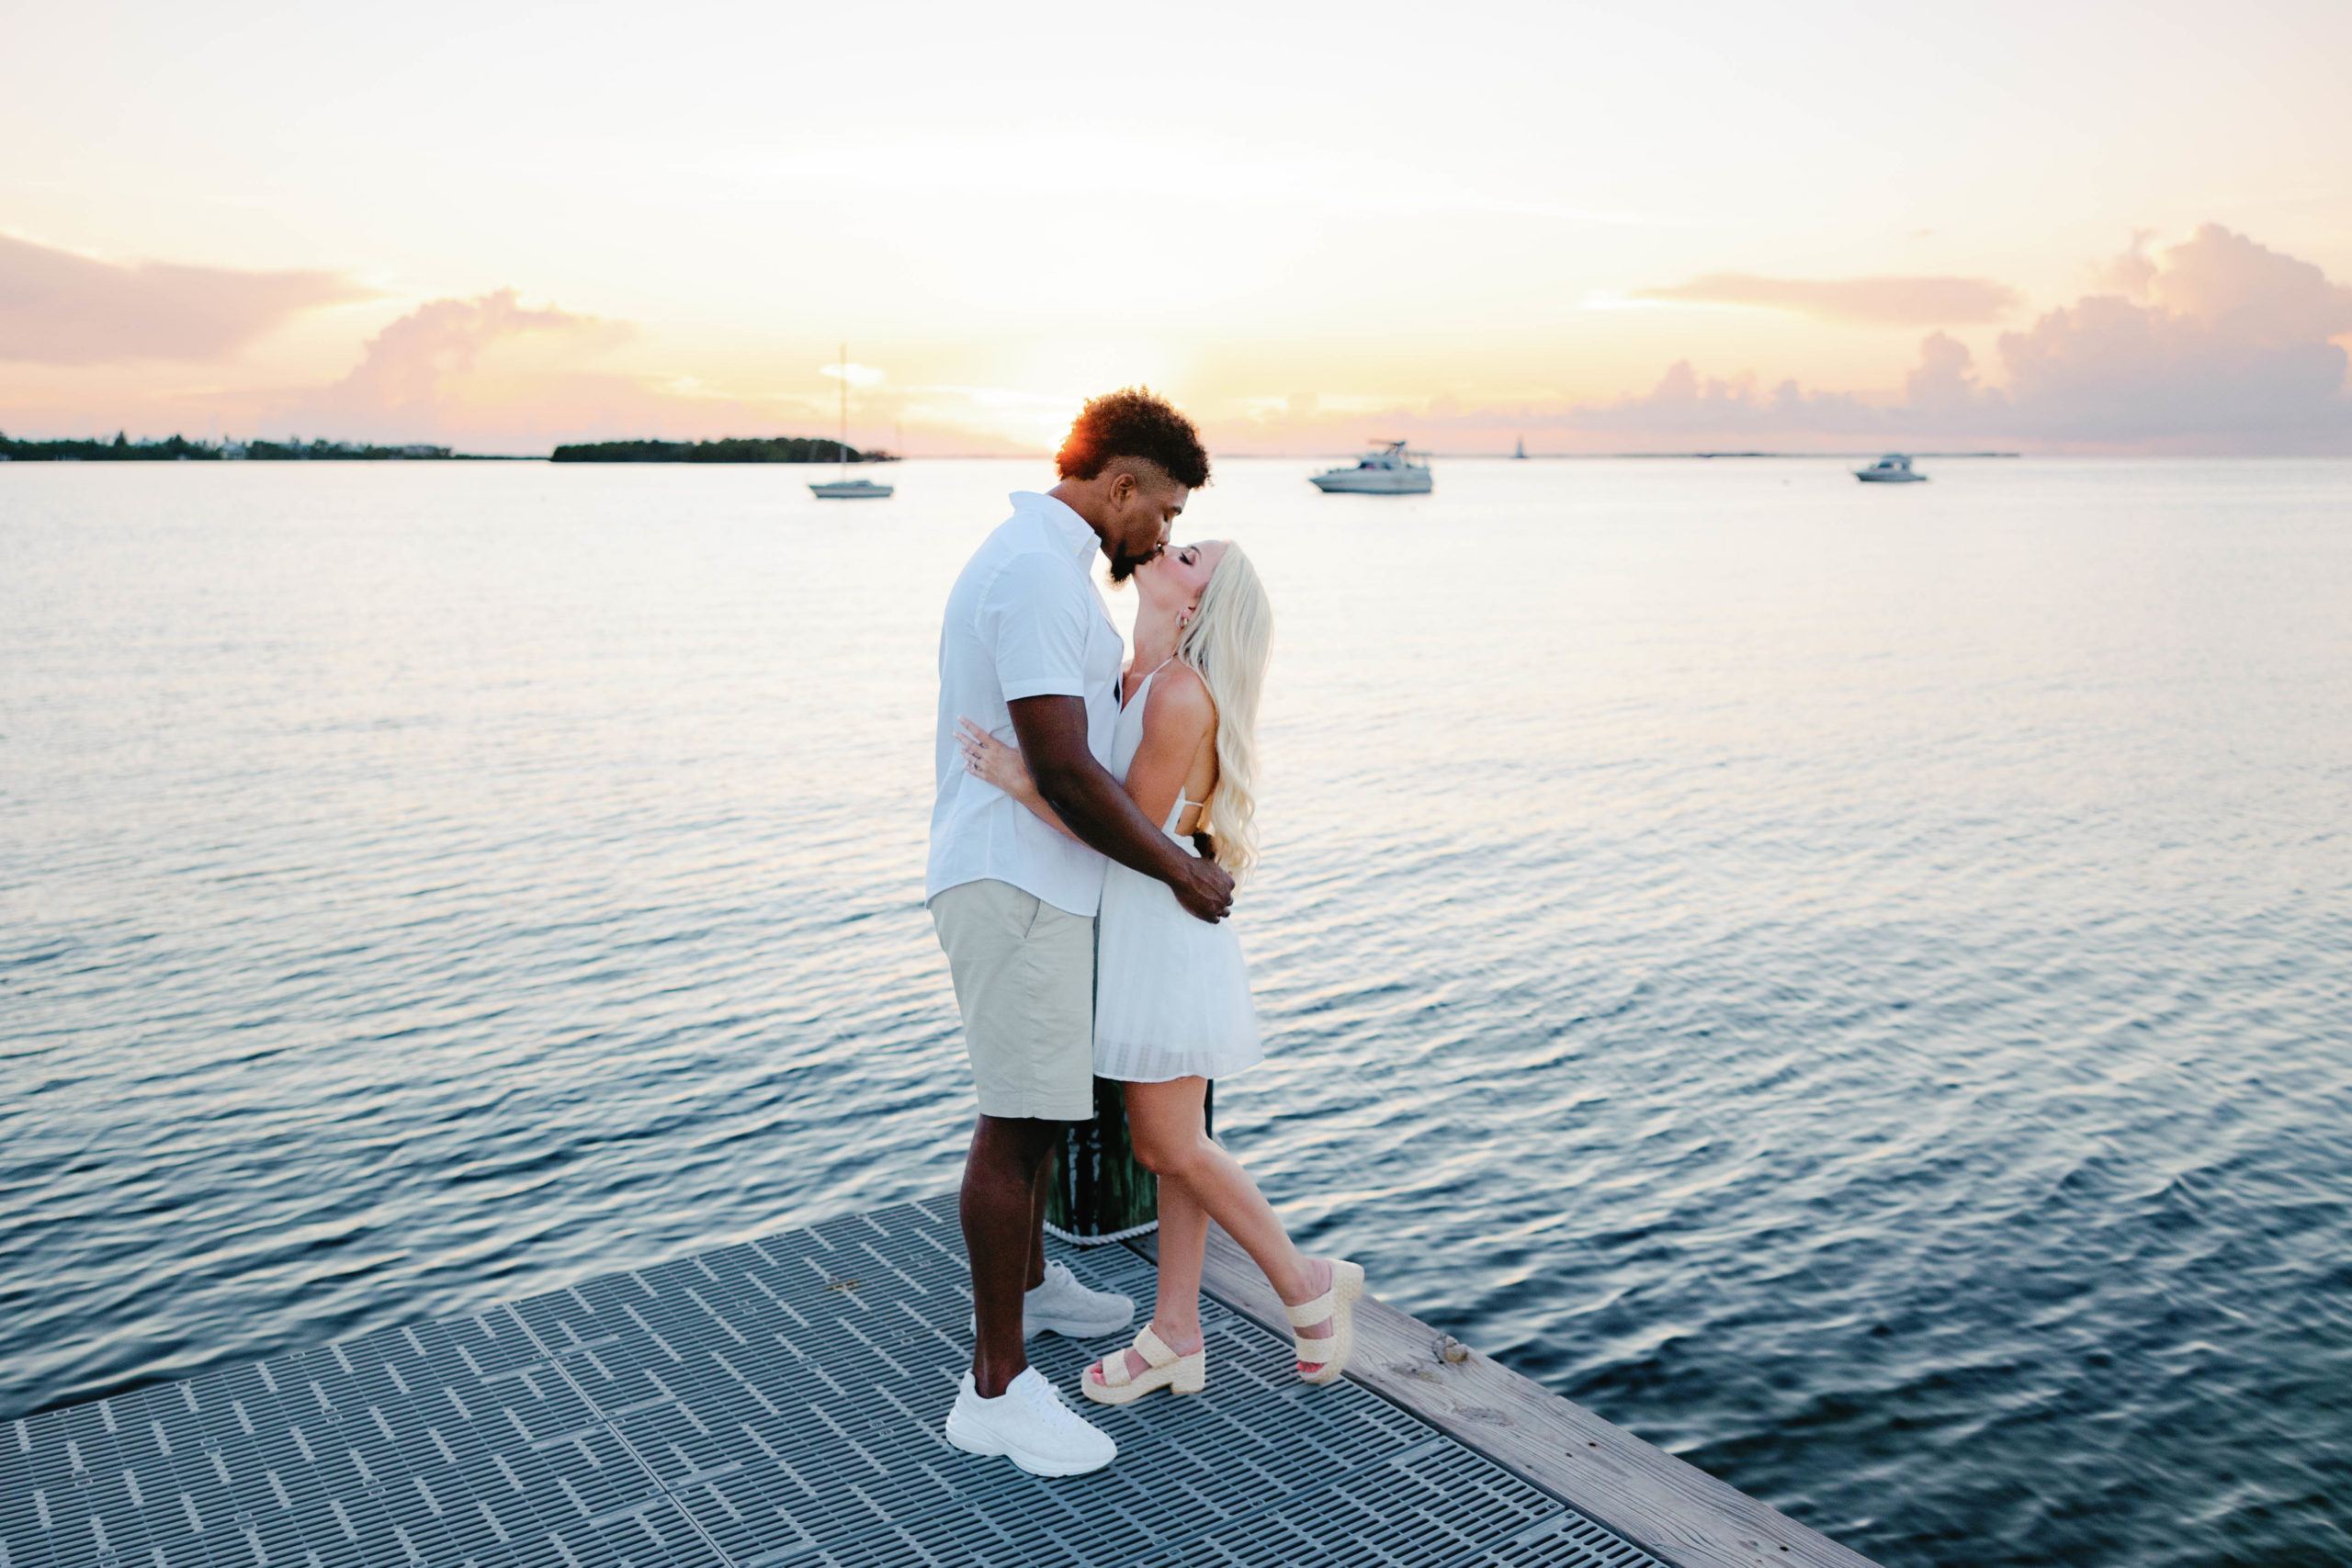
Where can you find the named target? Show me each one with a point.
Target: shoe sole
(987, 1448)
(1069, 1328)
(1151, 1381)
(1079, 1328)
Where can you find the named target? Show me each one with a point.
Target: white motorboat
(1894, 468)
(1389, 472)
(841, 486)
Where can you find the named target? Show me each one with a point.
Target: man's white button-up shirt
(1024, 620)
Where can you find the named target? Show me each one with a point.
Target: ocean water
(1852, 984)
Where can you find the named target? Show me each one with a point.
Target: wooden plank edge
(1670, 1508)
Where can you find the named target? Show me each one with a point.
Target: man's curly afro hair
(1134, 421)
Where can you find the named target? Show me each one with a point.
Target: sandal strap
(1306, 1314)
(1316, 1351)
(1150, 1347)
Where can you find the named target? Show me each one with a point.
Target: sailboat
(1522, 453)
(842, 486)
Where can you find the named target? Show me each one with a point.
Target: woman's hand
(992, 762)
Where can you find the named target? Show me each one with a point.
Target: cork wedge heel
(1328, 1356)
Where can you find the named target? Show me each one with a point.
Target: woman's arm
(1178, 719)
(1179, 725)
(990, 760)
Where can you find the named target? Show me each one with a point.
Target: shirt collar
(1076, 533)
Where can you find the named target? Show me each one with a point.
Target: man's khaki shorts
(1024, 981)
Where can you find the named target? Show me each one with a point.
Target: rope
(1128, 1235)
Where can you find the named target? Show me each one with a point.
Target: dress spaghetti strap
(1146, 684)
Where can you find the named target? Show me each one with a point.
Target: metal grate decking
(771, 1405)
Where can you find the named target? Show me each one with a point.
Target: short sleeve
(1034, 620)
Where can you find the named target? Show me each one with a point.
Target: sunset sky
(2088, 226)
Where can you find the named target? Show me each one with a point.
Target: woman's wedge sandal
(1328, 1356)
(1163, 1369)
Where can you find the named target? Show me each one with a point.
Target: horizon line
(454, 454)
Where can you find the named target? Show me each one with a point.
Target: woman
(1172, 1007)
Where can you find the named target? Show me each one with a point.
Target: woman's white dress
(1171, 995)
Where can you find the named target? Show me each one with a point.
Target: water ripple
(1849, 986)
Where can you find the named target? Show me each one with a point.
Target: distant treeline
(734, 449)
(179, 449)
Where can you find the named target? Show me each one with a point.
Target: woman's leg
(1171, 1138)
(1183, 1242)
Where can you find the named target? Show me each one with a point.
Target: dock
(777, 1404)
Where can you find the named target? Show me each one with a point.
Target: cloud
(1945, 381)
(2229, 281)
(450, 358)
(2215, 344)
(1684, 404)
(2230, 348)
(2133, 271)
(490, 373)
(1857, 301)
(58, 308)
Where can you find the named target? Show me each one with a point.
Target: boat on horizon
(1894, 468)
(850, 489)
(1388, 471)
(841, 486)
(1520, 453)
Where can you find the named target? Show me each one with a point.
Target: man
(1029, 653)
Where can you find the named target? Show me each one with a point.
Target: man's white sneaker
(1069, 1309)
(1030, 1425)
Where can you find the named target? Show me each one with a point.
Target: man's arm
(1097, 810)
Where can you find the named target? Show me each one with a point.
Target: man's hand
(1208, 892)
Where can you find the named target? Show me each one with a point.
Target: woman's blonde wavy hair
(1227, 643)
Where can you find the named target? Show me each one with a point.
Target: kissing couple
(1091, 816)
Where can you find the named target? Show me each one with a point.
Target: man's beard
(1124, 567)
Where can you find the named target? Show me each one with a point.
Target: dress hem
(1213, 1078)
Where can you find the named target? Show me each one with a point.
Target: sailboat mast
(840, 447)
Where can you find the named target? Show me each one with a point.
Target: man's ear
(1122, 488)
